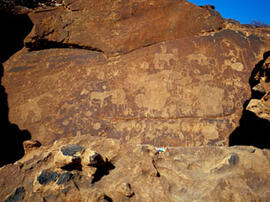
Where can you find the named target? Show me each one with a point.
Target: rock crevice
(14, 30)
(255, 120)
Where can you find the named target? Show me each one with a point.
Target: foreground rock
(138, 173)
(186, 92)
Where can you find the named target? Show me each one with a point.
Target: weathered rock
(260, 107)
(118, 26)
(29, 145)
(233, 159)
(18, 195)
(184, 174)
(261, 77)
(69, 157)
(73, 157)
(259, 88)
(64, 178)
(46, 177)
(255, 121)
(165, 73)
(92, 158)
(208, 7)
(71, 150)
(255, 34)
(185, 92)
(125, 189)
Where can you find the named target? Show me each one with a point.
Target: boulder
(186, 92)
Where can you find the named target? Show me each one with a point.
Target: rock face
(140, 173)
(134, 100)
(181, 92)
(255, 118)
(187, 91)
(119, 26)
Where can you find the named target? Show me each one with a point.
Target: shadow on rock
(253, 130)
(258, 71)
(14, 29)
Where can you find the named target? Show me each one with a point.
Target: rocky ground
(87, 168)
(95, 88)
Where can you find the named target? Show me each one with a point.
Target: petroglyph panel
(184, 92)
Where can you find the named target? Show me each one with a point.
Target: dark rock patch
(18, 195)
(20, 68)
(47, 176)
(233, 159)
(70, 150)
(64, 178)
(107, 199)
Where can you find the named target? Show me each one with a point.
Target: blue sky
(241, 10)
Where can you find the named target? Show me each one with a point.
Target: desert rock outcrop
(186, 92)
(136, 101)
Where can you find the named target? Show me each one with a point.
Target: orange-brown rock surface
(128, 172)
(186, 92)
(99, 85)
(181, 92)
(119, 26)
